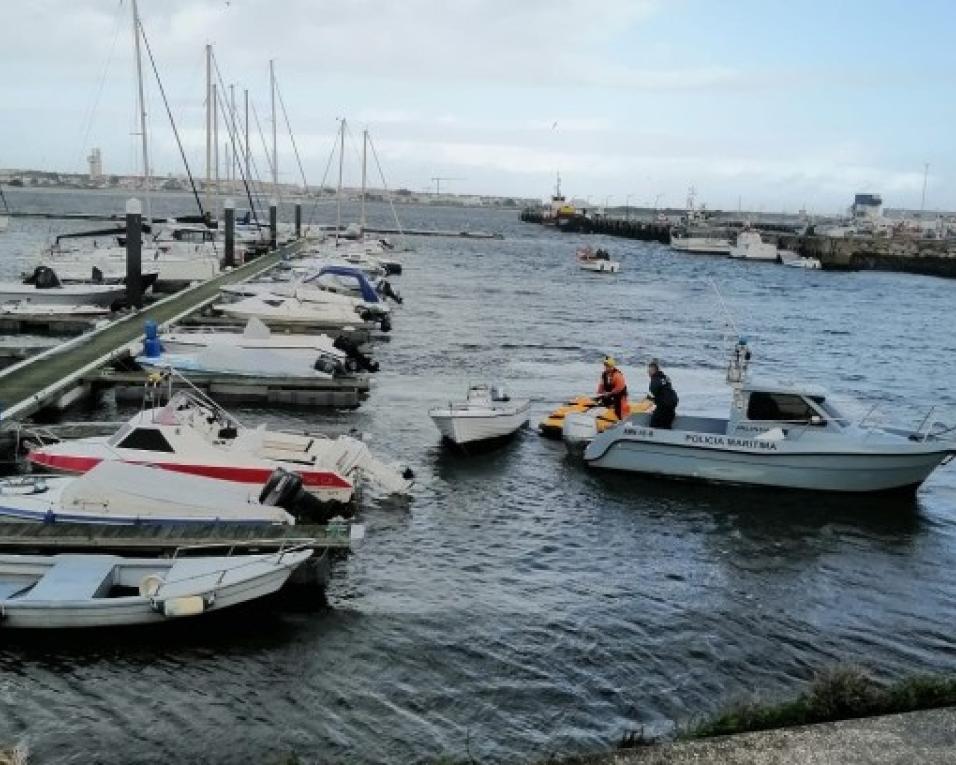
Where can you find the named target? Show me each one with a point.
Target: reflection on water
(521, 602)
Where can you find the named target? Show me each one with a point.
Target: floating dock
(292, 391)
(54, 377)
(326, 542)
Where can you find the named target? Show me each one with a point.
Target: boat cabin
(763, 408)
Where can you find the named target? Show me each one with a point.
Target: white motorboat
(794, 260)
(257, 336)
(292, 311)
(192, 434)
(777, 435)
(43, 288)
(596, 261)
(122, 494)
(73, 591)
(708, 245)
(751, 246)
(227, 360)
(487, 415)
(312, 288)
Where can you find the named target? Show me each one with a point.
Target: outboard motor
(97, 275)
(284, 489)
(355, 356)
(328, 364)
(43, 278)
(385, 288)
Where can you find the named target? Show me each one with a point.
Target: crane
(438, 181)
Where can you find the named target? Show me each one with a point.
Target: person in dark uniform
(662, 393)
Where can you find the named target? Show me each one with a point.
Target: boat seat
(75, 577)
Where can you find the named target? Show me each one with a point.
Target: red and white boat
(192, 434)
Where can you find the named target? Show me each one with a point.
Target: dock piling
(273, 224)
(134, 253)
(229, 209)
(298, 220)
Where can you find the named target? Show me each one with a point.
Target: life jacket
(607, 383)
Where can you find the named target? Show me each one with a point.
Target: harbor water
(520, 605)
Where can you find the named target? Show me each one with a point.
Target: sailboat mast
(208, 128)
(364, 155)
(246, 142)
(338, 190)
(142, 113)
(215, 138)
(275, 143)
(231, 173)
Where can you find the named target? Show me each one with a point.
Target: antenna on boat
(723, 305)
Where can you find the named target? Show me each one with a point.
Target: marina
(358, 450)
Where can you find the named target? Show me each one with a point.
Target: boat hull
(600, 266)
(139, 610)
(326, 485)
(702, 245)
(817, 471)
(472, 431)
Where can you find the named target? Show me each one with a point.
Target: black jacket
(662, 391)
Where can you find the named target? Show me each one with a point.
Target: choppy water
(522, 605)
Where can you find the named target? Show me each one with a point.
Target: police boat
(777, 435)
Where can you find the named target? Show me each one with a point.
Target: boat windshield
(783, 407)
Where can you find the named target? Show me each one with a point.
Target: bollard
(273, 225)
(298, 220)
(229, 208)
(134, 253)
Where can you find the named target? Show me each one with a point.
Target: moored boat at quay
(191, 434)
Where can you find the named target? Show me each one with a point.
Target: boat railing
(287, 546)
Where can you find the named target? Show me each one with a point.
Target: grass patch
(838, 694)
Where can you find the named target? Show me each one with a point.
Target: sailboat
(177, 261)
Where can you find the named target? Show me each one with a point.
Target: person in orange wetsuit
(612, 390)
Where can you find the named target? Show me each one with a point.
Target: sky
(769, 104)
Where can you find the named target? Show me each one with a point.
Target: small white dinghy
(598, 262)
(488, 416)
(70, 591)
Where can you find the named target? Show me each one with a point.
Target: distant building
(96, 164)
(867, 207)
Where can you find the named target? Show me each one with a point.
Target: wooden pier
(35, 383)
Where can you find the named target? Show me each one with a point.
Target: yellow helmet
(610, 361)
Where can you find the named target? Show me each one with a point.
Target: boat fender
(150, 584)
(188, 605)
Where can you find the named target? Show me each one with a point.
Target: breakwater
(930, 257)
(933, 257)
(626, 229)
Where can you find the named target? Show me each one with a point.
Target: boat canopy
(369, 295)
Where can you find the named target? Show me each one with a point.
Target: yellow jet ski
(553, 425)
